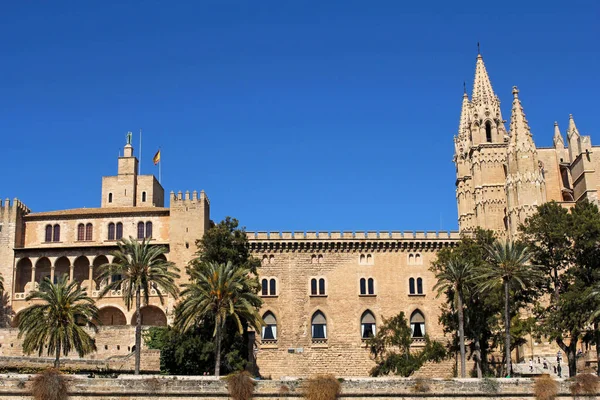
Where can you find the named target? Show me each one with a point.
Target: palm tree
(137, 268)
(509, 265)
(219, 291)
(454, 278)
(58, 320)
(1, 284)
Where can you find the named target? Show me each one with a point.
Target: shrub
(584, 384)
(322, 387)
(545, 388)
(421, 386)
(50, 384)
(240, 385)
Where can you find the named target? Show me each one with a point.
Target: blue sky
(291, 115)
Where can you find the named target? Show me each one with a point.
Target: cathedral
(323, 293)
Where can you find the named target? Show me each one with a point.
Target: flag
(156, 158)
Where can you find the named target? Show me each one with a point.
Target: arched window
(269, 329)
(265, 287)
(148, 229)
(418, 259)
(371, 286)
(89, 229)
(80, 232)
(367, 325)
(411, 259)
(111, 231)
(419, 286)
(411, 286)
(143, 197)
(273, 287)
(369, 259)
(313, 259)
(363, 286)
(362, 259)
(313, 287)
(417, 324)
(488, 132)
(48, 237)
(319, 326)
(119, 231)
(110, 197)
(140, 233)
(321, 286)
(56, 233)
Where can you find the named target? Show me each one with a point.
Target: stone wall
(141, 387)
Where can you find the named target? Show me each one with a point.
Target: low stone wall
(206, 388)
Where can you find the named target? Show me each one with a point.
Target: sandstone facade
(323, 292)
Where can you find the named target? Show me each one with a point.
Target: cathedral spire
(572, 129)
(558, 139)
(464, 115)
(482, 87)
(520, 133)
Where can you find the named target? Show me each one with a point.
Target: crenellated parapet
(351, 240)
(14, 208)
(181, 197)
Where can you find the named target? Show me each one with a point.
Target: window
(143, 197)
(110, 197)
(141, 230)
(89, 229)
(367, 325)
(313, 287)
(319, 326)
(415, 289)
(111, 231)
(265, 287)
(417, 324)
(317, 287)
(272, 287)
(488, 132)
(415, 259)
(367, 286)
(365, 259)
(56, 233)
(119, 231)
(48, 237)
(149, 229)
(80, 232)
(269, 329)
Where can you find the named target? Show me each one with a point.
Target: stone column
(91, 279)
(33, 262)
(52, 269)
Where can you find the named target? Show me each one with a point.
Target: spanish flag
(156, 158)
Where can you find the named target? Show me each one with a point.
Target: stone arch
(161, 257)
(151, 316)
(62, 267)
(111, 316)
(43, 267)
(81, 269)
(24, 268)
(98, 262)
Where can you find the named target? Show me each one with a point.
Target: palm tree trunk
(597, 337)
(461, 338)
(57, 359)
(507, 328)
(138, 331)
(478, 364)
(218, 351)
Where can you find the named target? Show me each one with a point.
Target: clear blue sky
(291, 115)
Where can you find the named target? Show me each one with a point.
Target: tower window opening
(143, 197)
(110, 197)
(488, 132)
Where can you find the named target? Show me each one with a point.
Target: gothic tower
(525, 183)
(480, 155)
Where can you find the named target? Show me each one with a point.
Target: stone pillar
(33, 262)
(52, 268)
(91, 279)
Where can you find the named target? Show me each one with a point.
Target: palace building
(324, 292)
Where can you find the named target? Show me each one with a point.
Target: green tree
(454, 278)
(481, 310)
(509, 266)
(390, 349)
(218, 292)
(137, 268)
(57, 320)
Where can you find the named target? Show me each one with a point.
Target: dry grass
(545, 388)
(50, 384)
(240, 385)
(322, 387)
(584, 384)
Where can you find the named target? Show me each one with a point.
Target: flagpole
(160, 167)
(140, 160)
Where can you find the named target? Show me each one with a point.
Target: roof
(99, 211)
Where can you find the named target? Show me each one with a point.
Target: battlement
(7, 207)
(353, 235)
(180, 197)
